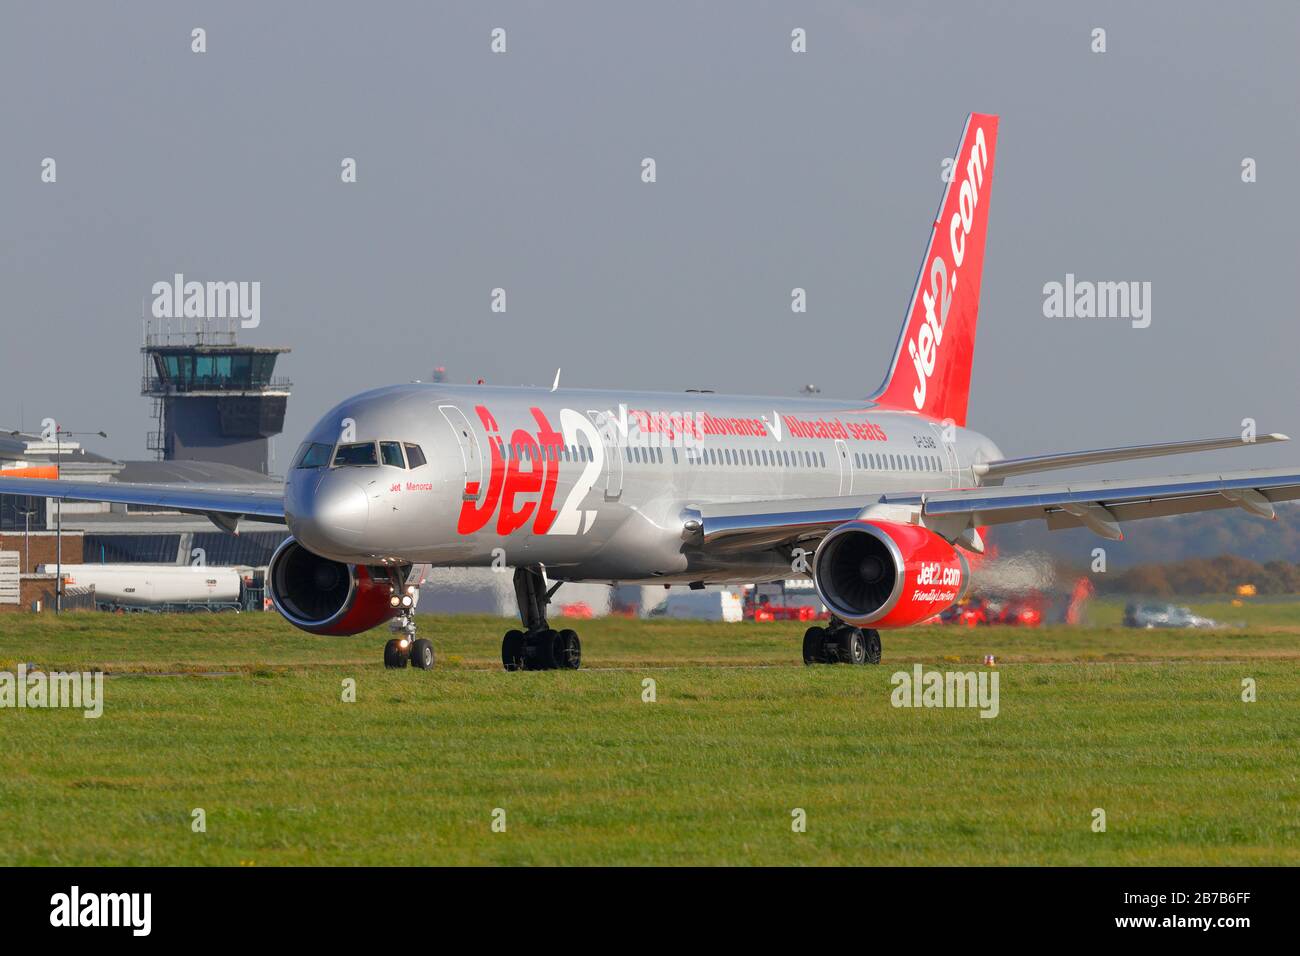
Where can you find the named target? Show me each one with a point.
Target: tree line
(1190, 576)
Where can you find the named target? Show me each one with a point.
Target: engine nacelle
(324, 596)
(881, 574)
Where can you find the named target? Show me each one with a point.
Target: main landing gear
(406, 648)
(538, 647)
(841, 643)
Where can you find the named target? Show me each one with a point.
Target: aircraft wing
(1102, 506)
(225, 507)
(991, 471)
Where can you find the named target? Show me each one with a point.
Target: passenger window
(414, 457)
(390, 452)
(360, 453)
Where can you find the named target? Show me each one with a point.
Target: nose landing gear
(406, 648)
(538, 647)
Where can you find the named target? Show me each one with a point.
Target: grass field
(242, 716)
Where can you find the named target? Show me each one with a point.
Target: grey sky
(775, 170)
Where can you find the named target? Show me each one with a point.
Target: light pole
(58, 539)
(27, 524)
(27, 539)
(59, 434)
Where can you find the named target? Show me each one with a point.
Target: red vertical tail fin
(930, 373)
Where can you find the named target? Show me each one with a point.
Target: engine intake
(324, 596)
(882, 574)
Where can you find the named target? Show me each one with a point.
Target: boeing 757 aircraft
(878, 499)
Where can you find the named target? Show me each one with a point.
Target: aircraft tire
(394, 657)
(872, 639)
(539, 650)
(814, 641)
(567, 650)
(852, 645)
(512, 651)
(422, 655)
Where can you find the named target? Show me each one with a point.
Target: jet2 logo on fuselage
(522, 485)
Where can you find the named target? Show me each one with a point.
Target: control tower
(213, 399)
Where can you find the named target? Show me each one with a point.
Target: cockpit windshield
(356, 453)
(313, 455)
(362, 453)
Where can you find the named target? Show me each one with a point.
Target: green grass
(1147, 725)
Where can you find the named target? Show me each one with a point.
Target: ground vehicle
(701, 606)
(153, 586)
(1147, 615)
(1017, 611)
(784, 601)
(969, 613)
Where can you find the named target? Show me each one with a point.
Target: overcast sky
(523, 171)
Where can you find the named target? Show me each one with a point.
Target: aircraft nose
(334, 514)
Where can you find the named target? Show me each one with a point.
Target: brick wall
(43, 546)
(39, 588)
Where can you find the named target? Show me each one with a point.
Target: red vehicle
(779, 602)
(1018, 612)
(1006, 611)
(969, 613)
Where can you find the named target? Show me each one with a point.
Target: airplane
(877, 500)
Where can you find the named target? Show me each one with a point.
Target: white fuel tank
(146, 585)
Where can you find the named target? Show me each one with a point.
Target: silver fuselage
(597, 484)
